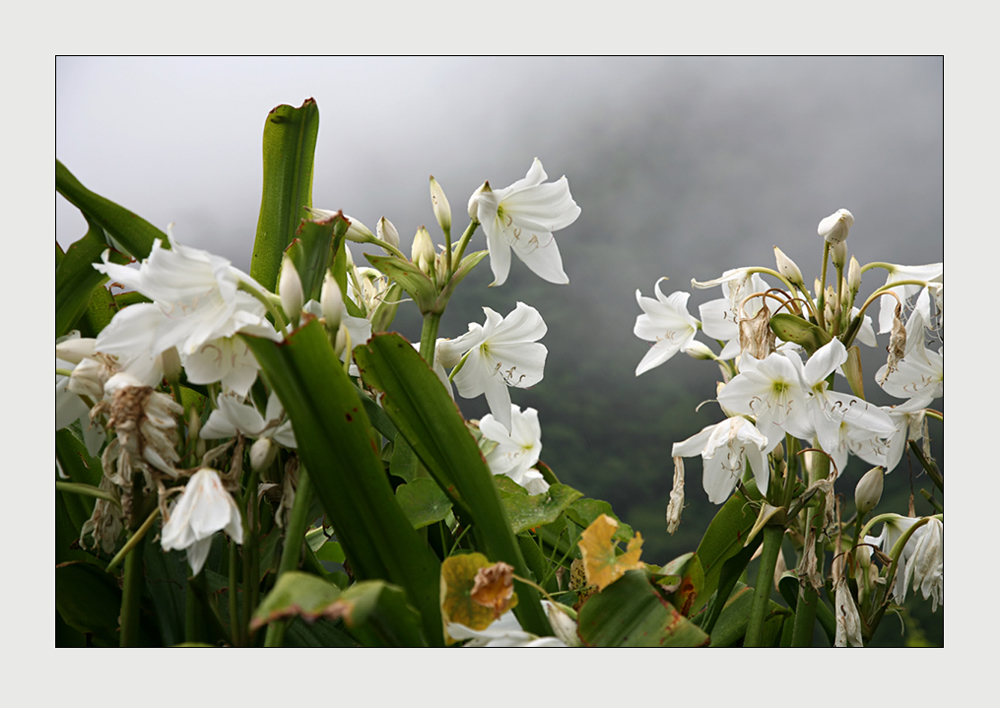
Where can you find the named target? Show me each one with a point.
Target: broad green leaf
(420, 407)
(335, 442)
(788, 586)
(332, 552)
(403, 463)
(166, 580)
(631, 612)
(527, 511)
(319, 634)
(76, 278)
(793, 328)
(311, 250)
(289, 144)
(690, 582)
(585, 511)
(723, 539)
(732, 624)
(131, 232)
(89, 600)
(374, 612)
(423, 502)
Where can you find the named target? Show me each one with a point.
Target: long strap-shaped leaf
(423, 412)
(289, 144)
(132, 232)
(76, 278)
(335, 442)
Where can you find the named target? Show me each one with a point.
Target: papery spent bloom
(720, 318)
(848, 620)
(500, 353)
(665, 322)
(920, 373)
(835, 227)
(522, 217)
(725, 448)
(203, 508)
(516, 451)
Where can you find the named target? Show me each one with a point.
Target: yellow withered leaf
(475, 592)
(600, 560)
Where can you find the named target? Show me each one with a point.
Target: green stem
(131, 597)
(194, 614)
(388, 247)
(773, 536)
(805, 606)
(821, 295)
(428, 336)
(463, 242)
(235, 627)
(292, 550)
(88, 490)
(929, 466)
(249, 549)
(133, 541)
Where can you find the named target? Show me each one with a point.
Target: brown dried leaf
(600, 561)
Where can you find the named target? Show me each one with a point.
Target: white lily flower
(233, 416)
(892, 530)
(920, 373)
(665, 322)
(933, 276)
(503, 352)
(908, 422)
(69, 406)
(925, 566)
(522, 217)
(724, 448)
(504, 632)
(772, 391)
(517, 450)
(197, 294)
(203, 508)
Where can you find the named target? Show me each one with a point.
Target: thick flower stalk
(521, 218)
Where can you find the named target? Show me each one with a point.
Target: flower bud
(788, 268)
(697, 350)
(262, 454)
(835, 227)
(340, 341)
(838, 254)
(356, 231)
(74, 350)
(331, 302)
(387, 232)
(854, 276)
(474, 201)
(869, 490)
(170, 362)
(442, 210)
(422, 253)
(290, 289)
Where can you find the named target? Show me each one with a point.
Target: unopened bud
(387, 232)
(697, 350)
(75, 350)
(442, 210)
(170, 362)
(869, 490)
(838, 254)
(262, 454)
(474, 201)
(331, 302)
(356, 231)
(788, 268)
(348, 256)
(854, 276)
(290, 289)
(835, 227)
(340, 341)
(422, 253)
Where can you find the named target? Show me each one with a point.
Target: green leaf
(631, 612)
(131, 232)
(723, 539)
(732, 624)
(311, 250)
(403, 463)
(336, 444)
(76, 278)
(690, 581)
(416, 284)
(89, 600)
(531, 511)
(420, 407)
(166, 580)
(289, 144)
(793, 328)
(423, 502)
(585, 511)
(374, 612)
(788, 586)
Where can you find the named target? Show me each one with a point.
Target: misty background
(683, 167)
